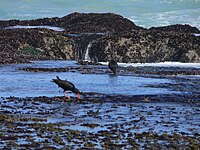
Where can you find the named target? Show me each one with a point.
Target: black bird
(113, 66)
(66, 86)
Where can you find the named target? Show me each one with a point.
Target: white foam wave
(161, 64)
(33, 27)
(168, 17)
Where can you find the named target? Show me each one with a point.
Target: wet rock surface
(100, 69)
(55, 122)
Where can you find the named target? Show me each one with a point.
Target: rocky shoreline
(100, 122)
(104, 121)
(110, 36)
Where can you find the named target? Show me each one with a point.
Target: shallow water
(172, 117)
(15, 82)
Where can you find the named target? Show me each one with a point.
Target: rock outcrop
(23, 45)
(147, 46)
(81, 23)
(110, 37)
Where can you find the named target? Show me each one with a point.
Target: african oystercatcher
(66, 86)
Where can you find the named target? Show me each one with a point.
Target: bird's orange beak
(79, 96)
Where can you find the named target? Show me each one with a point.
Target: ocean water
(144, 13)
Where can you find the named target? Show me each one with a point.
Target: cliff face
(109, 36)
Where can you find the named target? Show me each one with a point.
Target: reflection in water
(112, 75)
(19, 83)
(113, 79)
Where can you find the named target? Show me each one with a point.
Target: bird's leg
(66, 95)
(79, 96)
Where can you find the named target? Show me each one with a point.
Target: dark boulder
(97, 22)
